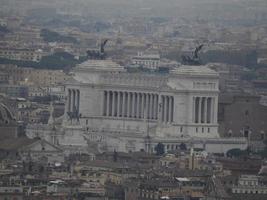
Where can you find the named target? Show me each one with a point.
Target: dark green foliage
(263, 153)
(160, 149)
(251, 59)
(236, 153)
(60, 60)
(41, 169)
(51, 36)
(158, 20)
(160, 70)
(115, 156)
(30, 167)
(198, 149)
(137, 69)
(248, 76)
(246, 58)
(4, 30)
(101, 26)
(19, 63)
(44, 99)
(163, 70)
(183, 146)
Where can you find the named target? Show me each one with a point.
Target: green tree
(183, 146)
(51, 36)
(236, 153)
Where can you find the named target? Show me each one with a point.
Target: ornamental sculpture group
(194, 58)
(98, 54)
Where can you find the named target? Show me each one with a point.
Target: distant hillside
(51, 36)
(60, 60)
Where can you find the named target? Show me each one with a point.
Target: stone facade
(133, 111)
(242, 115)
(35, 77)
(149, 61)
(8, 124)
(250, 184)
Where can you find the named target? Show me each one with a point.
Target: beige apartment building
(47, 77)
(21, 54)
(30, 76)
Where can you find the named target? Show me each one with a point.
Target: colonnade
(130, 105)
(137, 105)
(73, 100)
(167, 108)
(203, 109)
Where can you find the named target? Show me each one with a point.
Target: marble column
(73, 101)
(138, 106)
(104, 103)
(151, 107)
(209, 110)
(142, 105)
(194, 110)
(147, 106)
(118, 104)
(199, 109)
(157, 106)
(78, 100)
(215, 112)
(154, 107)
(133, 103)
(205, 109)
(128, 104)
(212, 110)
(69, 100)
(162, 109)
(108, 99)
(113, 104)
(123, 104)
(202, 109)
(166, 109)
(170, 108)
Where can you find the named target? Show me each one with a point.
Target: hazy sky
(166, 8)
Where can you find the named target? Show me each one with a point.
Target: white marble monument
(132, 111)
